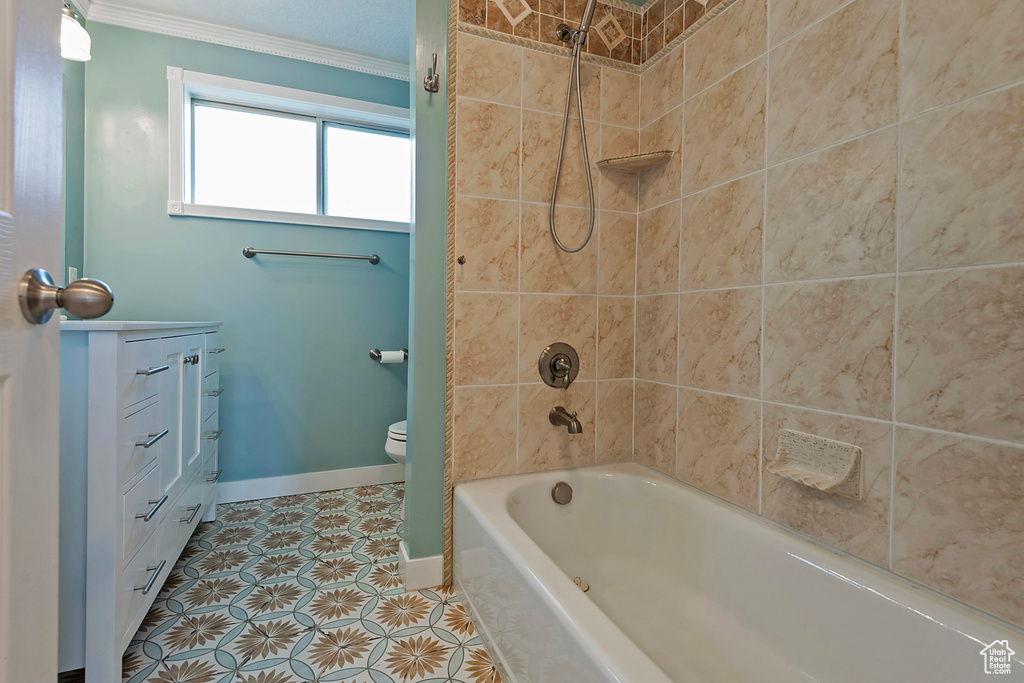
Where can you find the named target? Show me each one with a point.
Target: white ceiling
(375, 28)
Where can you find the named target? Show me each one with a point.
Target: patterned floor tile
(303, 588)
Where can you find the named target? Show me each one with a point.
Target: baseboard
(310, 482)
(423, 572)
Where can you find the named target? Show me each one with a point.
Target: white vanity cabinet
(139, 434)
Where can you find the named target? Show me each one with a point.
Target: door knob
(83, 298)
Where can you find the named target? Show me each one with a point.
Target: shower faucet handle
(558, 365)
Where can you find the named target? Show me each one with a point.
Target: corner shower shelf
(635, 163)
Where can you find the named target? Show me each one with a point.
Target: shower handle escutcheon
(558, 365)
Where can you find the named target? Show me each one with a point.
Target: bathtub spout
(560, 417)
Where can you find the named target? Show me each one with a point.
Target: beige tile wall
(837, 247)
(848, 216)
(515, 293)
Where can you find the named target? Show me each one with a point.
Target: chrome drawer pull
(156, 572)
(153, 438)
(156, 506)
(213, 436)
(215, 393)
(152, 371)
(216, 350)
(214, 476)
(194, 510)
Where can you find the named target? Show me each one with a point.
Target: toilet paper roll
(392, 356)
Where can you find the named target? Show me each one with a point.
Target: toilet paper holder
(375, 354)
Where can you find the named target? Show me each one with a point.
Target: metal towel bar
(249, 252)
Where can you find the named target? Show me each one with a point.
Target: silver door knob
(83, 298)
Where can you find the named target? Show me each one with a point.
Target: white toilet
(395, 446)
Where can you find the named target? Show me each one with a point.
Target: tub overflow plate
(561, 493)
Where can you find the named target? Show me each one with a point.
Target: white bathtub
(684, 587)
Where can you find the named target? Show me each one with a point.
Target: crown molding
(81, 6)
(156, 22)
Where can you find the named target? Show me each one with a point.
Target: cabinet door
(191, 405)
(171, 472)
(180, 398)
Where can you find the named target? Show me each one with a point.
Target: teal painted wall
(74, 168)
(300, 393)
(424, 468)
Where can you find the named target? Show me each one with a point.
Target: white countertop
(128, 325)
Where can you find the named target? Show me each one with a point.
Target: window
(251, 151)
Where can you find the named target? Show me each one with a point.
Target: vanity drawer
(141, 435)
(213, 353)
(183, 517)
(142, 511)
(211, 473)
(142, 365)
(145, 569)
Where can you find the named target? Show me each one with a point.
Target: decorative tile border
(536, 20)
(621, 36)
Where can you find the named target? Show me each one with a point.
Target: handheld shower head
(588, 15)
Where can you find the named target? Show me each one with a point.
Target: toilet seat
(397, 431)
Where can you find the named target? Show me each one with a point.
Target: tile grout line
(896, 286)
(519, 281)
(679, 458)
(764, 257)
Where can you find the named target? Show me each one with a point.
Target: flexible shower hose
(574, 75)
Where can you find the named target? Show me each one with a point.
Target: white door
(30, 227)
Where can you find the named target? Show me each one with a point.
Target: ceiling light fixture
(75, 43)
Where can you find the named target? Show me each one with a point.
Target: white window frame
(185, 86)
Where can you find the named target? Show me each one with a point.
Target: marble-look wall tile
(549, 318)
(661, 183)
(790, 16)
(542, 445)
(961, 344)
(657, 268)
(834, 81)
(487, 140)
(724, 137)
(963, 184)
(654, 438)
(661, 87)
(617, 190)
(549, 269)
(656, 337)
(740, 34)
(541, 133)
(487, 235)
(833, 213)
(620, 98)
(473, 12)
(615, 421)
(829, 345)
(617, 260)
(485, 338)
(958, 48)
(615, 319)
(485, 432)
(860, 527)
(719, 443)
(957, 522)
(545, 78)
(721, 243)
(489, 70)
(720, 340)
